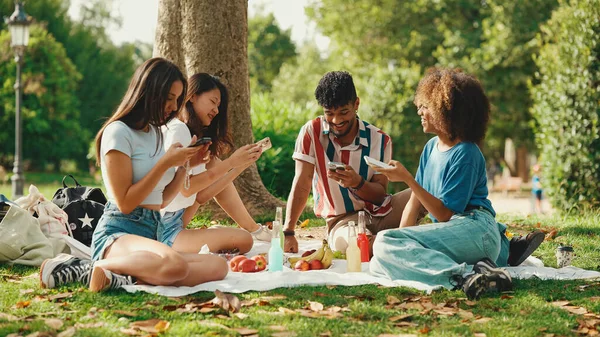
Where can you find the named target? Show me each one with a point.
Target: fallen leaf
(130, 332)
(325, 334)
(424, 330)
(479, 334)
(54, 323)
(392, 300)
(22, 304)
(286, 311)
(551, 235)
(315, 306)
(560, 303)
(482, 320)
(152, 326)
(60, 296)
(227, 301)
(240, 315)
(245, 331)
(304, 223)
(70, 332)
(26, 291)
(470, 303)
(506, 297)
(575, 310)
(465, 314)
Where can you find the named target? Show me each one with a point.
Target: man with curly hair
(339, 135)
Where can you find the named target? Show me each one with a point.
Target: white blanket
(336, 275)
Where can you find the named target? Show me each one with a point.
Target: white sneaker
(262, 234)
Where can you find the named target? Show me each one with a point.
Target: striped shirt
(317, 146)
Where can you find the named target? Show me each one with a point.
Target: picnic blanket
(336, 275)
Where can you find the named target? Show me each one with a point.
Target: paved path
(521, 204)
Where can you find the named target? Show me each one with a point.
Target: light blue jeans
(433, 253)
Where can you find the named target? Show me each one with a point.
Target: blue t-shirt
(457, 177)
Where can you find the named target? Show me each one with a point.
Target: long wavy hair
(218, 129)
(145, 99)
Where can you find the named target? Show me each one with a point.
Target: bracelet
(289, 233)
(361, 184)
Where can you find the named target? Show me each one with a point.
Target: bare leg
(155, 263)
(192, 240)
(230, 202)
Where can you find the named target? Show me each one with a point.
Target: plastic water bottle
(363, 241)
(276, 251)
(279, 217)
(352, 252)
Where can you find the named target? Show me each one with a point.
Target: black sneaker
(103, 279)
(488, 267)
(521, 247)
(64, 269)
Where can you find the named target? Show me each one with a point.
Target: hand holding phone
(265, 143)
(202, 141)
(374, 163)
(334, 166)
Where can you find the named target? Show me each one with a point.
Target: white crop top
(177, 132)
(141, 147)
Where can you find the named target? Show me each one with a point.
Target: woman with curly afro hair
(451, 185)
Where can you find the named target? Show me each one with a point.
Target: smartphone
(376, 163)
(202, 141)
(265, 143)
(334, 165)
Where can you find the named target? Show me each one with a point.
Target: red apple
(308, 252)
(234, 263)
(247, 266)
(261, 262)
(302, 266)
(315, 265)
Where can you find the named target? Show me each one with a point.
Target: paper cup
(564, 256)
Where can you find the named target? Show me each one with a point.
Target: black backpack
(83, 205)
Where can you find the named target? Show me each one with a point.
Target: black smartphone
(202, 141)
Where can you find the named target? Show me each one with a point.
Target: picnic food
(302, 265)
(324, 255)
(247, 266)
(261, 262)
(235, 262)
(315, 265)
(308, 252)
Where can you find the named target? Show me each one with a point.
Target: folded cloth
(336, 275)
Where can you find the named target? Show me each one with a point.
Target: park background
(538, 61)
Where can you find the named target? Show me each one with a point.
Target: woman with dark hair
(205, 115)
(140, 178)
(451, 185)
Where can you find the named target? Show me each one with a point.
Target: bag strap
(69, 175)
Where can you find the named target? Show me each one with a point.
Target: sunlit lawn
(367, 310)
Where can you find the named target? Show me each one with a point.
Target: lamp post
(18, 24)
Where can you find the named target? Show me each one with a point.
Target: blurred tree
(187, 31)
(491, 39)
(268, 48)
(50, 104)
(299, 76)
(105, 68)
(566, 106)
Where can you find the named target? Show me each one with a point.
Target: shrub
(567, 105)
(281, 121)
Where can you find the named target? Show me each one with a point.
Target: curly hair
(335, 89)
(458, 103)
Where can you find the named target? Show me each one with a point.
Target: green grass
(48, 183)
(525, 312)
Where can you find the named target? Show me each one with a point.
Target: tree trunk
(212, 36)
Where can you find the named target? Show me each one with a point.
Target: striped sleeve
(305, 149)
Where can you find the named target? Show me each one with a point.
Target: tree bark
(212, 36)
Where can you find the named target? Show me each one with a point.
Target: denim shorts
(170, 226)
(113, 224)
